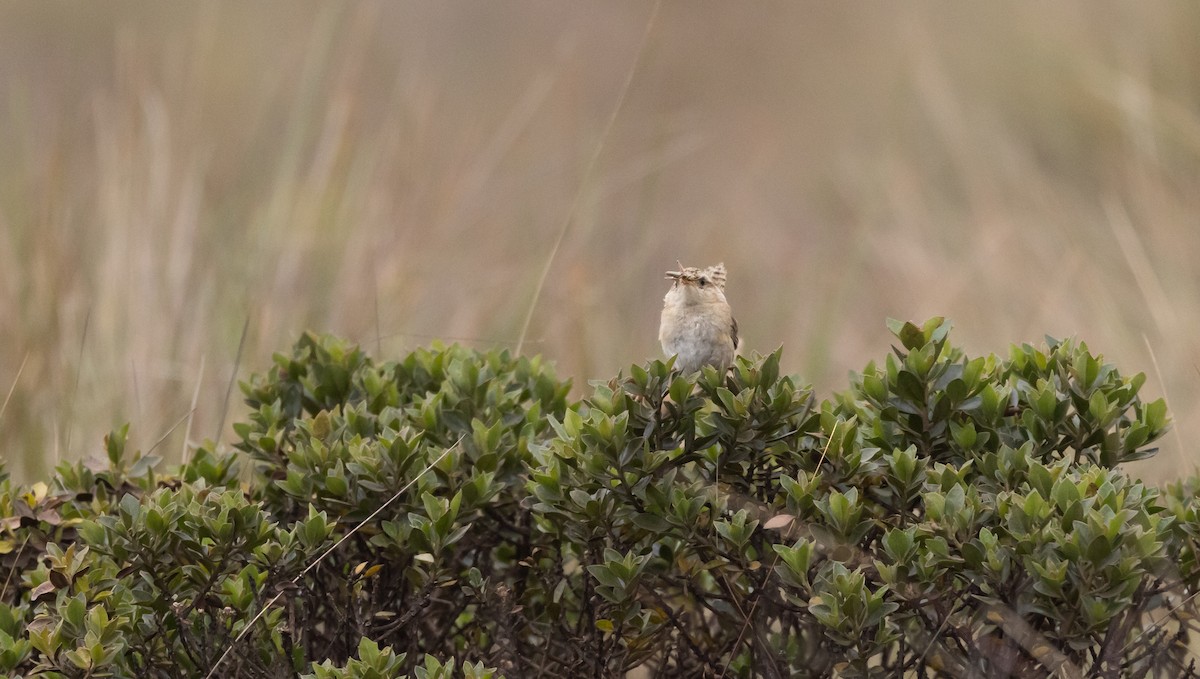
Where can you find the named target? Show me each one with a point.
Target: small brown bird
(697, 324)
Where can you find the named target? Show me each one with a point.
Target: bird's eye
(703, 282)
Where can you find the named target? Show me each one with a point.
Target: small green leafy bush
(454, 514)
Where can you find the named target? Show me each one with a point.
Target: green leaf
(336, 485)
(1156, 415)
(874, 387)
(681, 389)
(1099, 409)
(76, 610)
(651, 522)
(605, 575)
(964, 435)
(911, 336)
(770, 369)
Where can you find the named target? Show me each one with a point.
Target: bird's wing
(733, 333)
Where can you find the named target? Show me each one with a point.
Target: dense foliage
(453, 514)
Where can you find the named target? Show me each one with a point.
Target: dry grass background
(396, 172)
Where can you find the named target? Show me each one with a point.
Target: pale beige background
(395, 172)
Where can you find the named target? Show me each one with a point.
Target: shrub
(453, 514)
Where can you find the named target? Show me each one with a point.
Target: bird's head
(691, 285)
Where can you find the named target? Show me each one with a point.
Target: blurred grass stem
(589, 170)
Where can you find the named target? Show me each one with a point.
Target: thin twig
(938, 632)
(1155, 625)
(587, 175)
(825, 450)
(1033, 641)
(770, 568)
(318, 560)
(16, 560)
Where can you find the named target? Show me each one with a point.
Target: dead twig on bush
(212, 672)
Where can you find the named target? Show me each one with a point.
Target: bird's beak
(674, 275)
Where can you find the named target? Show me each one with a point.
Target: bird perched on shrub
(697, 324)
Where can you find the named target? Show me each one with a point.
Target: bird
(697, 325)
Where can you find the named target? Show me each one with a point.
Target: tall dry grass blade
(137, 391)
(13, 387)
(469, 194)
(167, 433)
(87, 322)
(488, 341)
(1169, 111)
(378, 324)
(1166, 397)
(1147, 280)
(316, 562)
(587, 175)
(237, 362)
(187, 432)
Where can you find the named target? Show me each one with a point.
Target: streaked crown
(690, 275)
